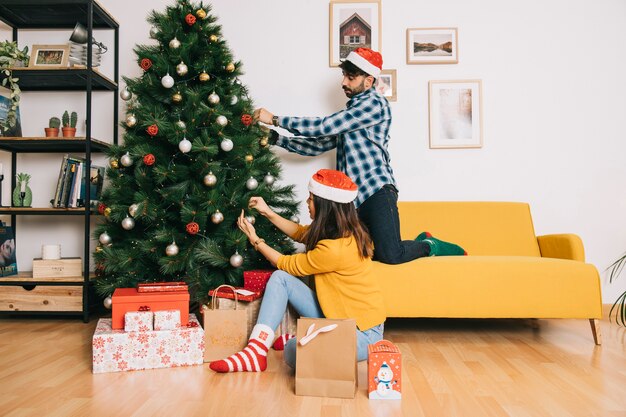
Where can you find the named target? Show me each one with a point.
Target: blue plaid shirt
(361, 135)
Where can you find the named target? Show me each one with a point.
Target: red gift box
(129, 299)
(256, 280)
(227, 293)
(161, 286)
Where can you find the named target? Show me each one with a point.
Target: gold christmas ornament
(114, 164)
(230, 67)
(107, 211)
(204, 77)
(249, 158)
(201, 13)
(177, 97)
(131, 120)
(263, 142)
(98, 249)
(213, 38)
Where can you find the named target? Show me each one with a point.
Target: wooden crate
(41, 298)
(57, 268)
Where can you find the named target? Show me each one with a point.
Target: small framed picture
(432, 46)
(386, 84)
(49, 56)
(353, 24)
(455, 110)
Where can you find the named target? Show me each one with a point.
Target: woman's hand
(261, 206)
(246, 227)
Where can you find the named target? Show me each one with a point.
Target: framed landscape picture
(432, 46)
(49, 56)
(386, 84)
(455, 114)
(353, 24)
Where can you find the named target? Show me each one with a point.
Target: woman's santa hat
(333, 185)
(367, 60)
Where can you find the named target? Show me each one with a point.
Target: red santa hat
(333, 185)
(368, 60)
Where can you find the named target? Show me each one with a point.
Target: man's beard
(350, 92)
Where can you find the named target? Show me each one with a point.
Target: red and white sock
(280, 343)
(253, 358)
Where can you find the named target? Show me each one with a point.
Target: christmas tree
(190, 161)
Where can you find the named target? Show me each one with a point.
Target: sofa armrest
(562, 246)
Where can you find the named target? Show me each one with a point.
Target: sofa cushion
(491, 287)
(481, 228)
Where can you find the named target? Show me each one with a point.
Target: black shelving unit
(59, 14)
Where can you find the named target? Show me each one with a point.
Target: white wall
(553, 105)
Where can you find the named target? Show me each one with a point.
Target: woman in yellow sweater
(338, 254)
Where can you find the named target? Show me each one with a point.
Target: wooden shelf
(60, 79)
(53, 14)
(26, 278)
(39, 144)
(39, 211)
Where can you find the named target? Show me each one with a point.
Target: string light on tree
(167, 81)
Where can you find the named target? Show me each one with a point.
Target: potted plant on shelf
(11, 57)
(52, 131)
(620, 303)
(69, 124)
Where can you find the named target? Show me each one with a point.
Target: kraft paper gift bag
(326, 358)
(225, 331)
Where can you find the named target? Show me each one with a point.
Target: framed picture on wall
(455, 114)
(353, 24)
(386, 84)
(432, 46)
(49, 56)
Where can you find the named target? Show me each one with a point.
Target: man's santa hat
(367, 60)
(333, 185)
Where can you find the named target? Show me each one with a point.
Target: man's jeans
(283, 288)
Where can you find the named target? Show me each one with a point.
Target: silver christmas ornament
(133, 209)
(217, 217)
(171, 249)
(154, 32)
(236, 260)
(181, 125)
(221, 120)
(234, 100)
(126, 160)
(252, 183)
(250, 219)
(105, 238)
(181, 69)
(214, 98)
(269, 179)
(295, 219)
(174, 43)
(210, 179)
(108, 302)
(226, 145)
(131, 120)
(128, 223)
(184, 145)
(167, 81)
(125, 94)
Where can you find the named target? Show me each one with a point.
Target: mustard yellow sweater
(345, 283)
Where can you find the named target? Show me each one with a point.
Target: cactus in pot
(22, 194)
(52, 131)
(69, 124)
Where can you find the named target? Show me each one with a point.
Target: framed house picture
(49, 56)
(455, 114)
(353, 24)
(432, 46)
(386, 84)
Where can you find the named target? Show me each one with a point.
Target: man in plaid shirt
(360, 133)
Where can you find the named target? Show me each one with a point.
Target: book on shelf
(5, 106)
(71, 183)
(8, 260)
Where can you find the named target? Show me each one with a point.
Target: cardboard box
(128, 299)
(384, 371)
(57, 268)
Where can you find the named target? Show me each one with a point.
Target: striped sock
(253, 358)
(280, 343)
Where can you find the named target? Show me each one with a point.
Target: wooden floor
(451, 368)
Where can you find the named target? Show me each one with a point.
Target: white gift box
(138, 321)
(166, 319)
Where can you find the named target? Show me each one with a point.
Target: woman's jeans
(283, 288)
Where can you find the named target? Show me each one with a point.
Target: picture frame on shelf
(386, 84)
(455, 114)
(49, 56)
(8, 260)
(432, 46)
(353, 24)
(5, 106)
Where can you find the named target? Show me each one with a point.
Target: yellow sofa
(509, 273)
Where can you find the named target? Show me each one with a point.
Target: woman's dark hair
(350, 69)
(338, 220)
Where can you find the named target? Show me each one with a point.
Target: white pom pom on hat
(333, 185)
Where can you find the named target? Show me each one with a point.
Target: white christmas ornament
(126, 160)
(221, 120)
(236, 260)
(171, 249)
(128, 223)
(181, 125)
(226, 145)
(214, 98)
(250, 219)
(269, 179)
(108, 302)
(125, 94)
(252, 183)
(167, 81)
(210, 179)
(154, 32)
(184, 145)
(174, 43)
(217, 217)
(181, 69)
(105, 238)
(131, 120)
(234, 100)
(133, 209)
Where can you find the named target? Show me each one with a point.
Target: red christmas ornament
(152, 130)
(101, 208)
(145, 64)
(192, 228)
(149, 159)
(190, 19)
(246, 119)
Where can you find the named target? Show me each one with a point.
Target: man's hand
(262, 115)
